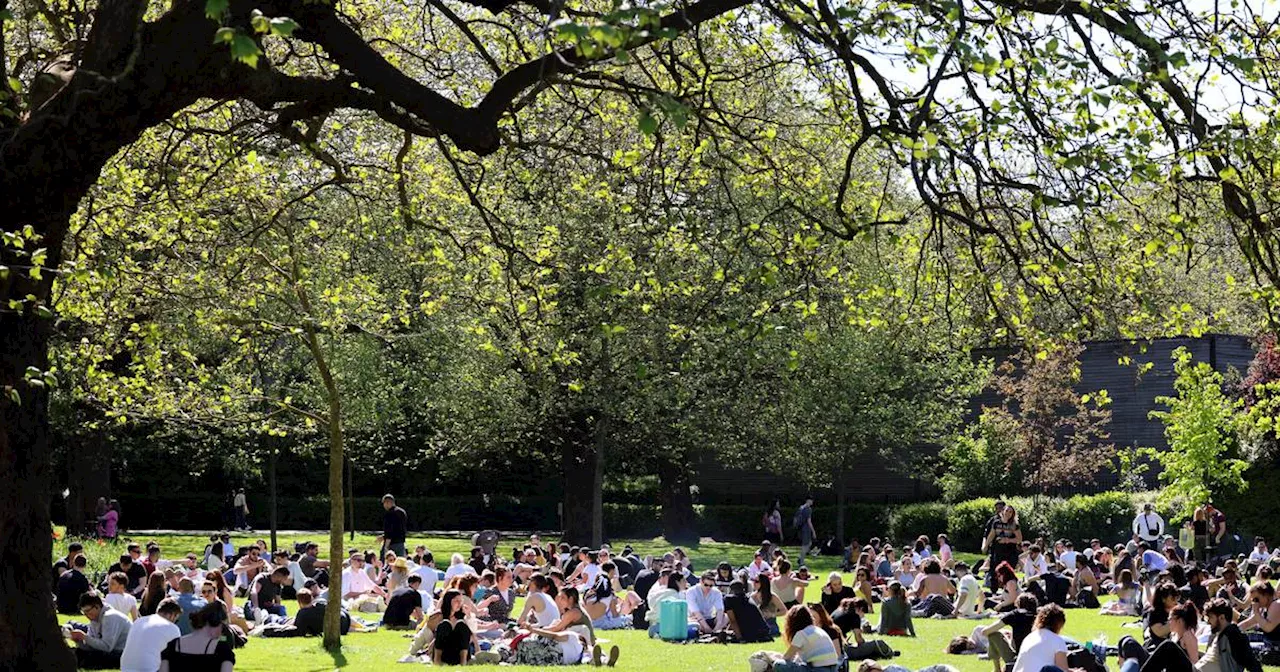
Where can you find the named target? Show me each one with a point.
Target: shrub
(1106, 516)
(910, 521)
(966, 521)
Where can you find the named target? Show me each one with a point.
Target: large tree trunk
(272, 456)
(679, 522)
(578, 457)
(29, 636)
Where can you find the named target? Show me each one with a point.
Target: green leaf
(5, 15)
(261, 25)
(14, 396)
(224, 35)
(214, 9)
(648, 125)
(245, 50)
(283, 26)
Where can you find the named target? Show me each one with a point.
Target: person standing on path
(1148, 526)
(772, 522)
(395, 525)
(804, 523)
(241, 506)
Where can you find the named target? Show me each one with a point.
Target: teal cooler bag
(673, 620)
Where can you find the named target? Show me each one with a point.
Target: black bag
(1087, 599)
(1084, 660)
(1268, 655)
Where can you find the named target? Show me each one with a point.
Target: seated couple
(710, 611)
(553, 629)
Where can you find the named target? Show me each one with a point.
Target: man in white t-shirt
(427, 570)
(1148, 525)
(1035, 564)
(969, 597)
(1045, 645)
(1068, 556)
(149, 636)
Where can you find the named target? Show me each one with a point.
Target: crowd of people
(1198, 609)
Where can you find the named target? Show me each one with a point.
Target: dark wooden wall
(1133, 397)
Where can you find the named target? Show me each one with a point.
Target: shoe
(614, 652)
(597, 657)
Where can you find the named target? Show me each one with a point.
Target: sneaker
(614, 652)
(597, 656)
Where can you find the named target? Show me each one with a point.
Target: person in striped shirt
(809, 648)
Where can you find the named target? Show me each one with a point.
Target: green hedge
(910, 521)
(1106, 516)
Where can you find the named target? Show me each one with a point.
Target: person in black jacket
(71, 585)
(395, 525)
(309, 620)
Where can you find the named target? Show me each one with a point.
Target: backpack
(797, 519)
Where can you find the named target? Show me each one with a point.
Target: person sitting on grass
(706, 605)
(863, 586)
(565, 640)
(356, 584)
(1021, 620)
(1128, 597)
(1044, 647)
(809, 648)
(768, 602)
(1266, 613)
(932, 592)
(1163, 600)
(835, 592)
(204, 648)
(673, 588)
(786, 584)
(457, 567)
(137, 575)
(895, 613)
(71, 585)
(149, 636)
(101, 646)
(970, 599)
(264, 594)
(1008, 584)
(404, 608)
(453, 637)
(118, 599)
(745, 621)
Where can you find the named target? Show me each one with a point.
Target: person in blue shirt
(190, 603)
(706, 605)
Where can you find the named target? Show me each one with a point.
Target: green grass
(379, 650)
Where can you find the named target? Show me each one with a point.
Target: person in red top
(153, 556)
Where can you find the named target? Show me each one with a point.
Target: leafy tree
(1010, 170)
(1061, 435)
(1201, 461)
(983, 461)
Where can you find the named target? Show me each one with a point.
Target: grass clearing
(380, 650)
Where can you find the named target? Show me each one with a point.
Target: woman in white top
(1044, 646)
(117, 598)
(540, 608)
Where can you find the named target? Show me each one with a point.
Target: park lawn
(380, 650)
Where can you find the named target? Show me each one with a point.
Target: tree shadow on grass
(339, 659)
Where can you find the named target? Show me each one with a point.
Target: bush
(1107, 516)
(910, 521)
(966, 521)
